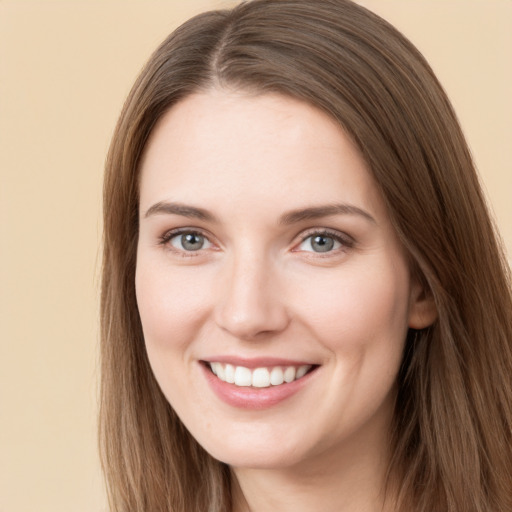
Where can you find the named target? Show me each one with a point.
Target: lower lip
(253, 398)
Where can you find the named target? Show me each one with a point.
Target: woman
(294, 307)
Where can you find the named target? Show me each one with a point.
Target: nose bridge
(251, 304)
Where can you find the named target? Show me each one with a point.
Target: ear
(422, 309)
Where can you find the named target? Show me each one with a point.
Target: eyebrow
(317, 212)
(291, 217)
(192, 212)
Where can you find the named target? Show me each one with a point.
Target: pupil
(322, 243)
(192, 242)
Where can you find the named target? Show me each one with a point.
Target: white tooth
(243, 376)
(276, 376)
(229, 373)
(214, 366)
(289, 374)
(260, 378)
(302, 370)
(221, 373)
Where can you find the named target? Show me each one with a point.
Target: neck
(351, 478)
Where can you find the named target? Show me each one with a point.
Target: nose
(252, 304)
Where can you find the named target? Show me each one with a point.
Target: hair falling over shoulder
(452, 431)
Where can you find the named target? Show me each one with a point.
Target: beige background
(65, 68)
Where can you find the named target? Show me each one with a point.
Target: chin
(263, 452)
(257, 458)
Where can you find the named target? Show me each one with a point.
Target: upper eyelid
(341, 235)
(178, 231)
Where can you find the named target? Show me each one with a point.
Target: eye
(187, 241)
(324, 242)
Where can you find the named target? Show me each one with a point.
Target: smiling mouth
(263, 377)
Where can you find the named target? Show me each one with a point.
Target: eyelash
(166, 238)
(344, 240)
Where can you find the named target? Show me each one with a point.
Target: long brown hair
(452, 431)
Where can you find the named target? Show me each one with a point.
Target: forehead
(222, 147)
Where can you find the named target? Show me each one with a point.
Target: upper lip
(255, 362)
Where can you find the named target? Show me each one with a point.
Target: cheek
(361, 319)
(360, 316)
(367, 300)
(172, 309)
(171, 304)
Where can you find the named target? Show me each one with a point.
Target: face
(274, 296)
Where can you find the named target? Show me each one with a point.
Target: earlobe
(422, 310)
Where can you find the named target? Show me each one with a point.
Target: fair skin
(264, 244)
